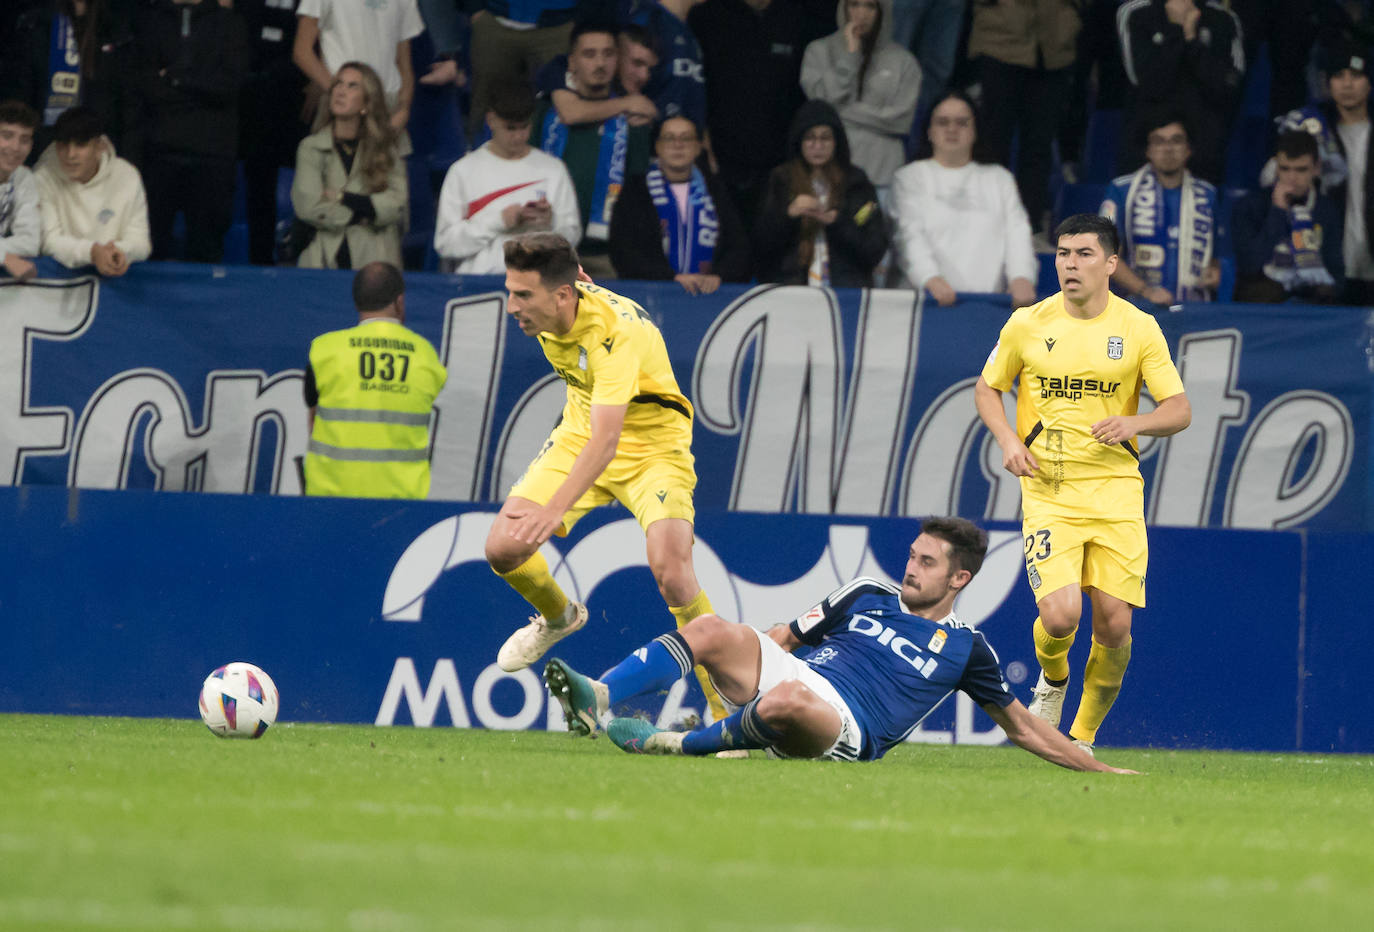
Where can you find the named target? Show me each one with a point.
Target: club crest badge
(1115, 347)
(1034, 575)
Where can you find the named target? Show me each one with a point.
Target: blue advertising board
(808, 400)
(119, 603)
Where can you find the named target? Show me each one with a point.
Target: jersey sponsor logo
(1049, 344)
(1115, 347)
(1074, 388)
(889, 638)
(686, 68)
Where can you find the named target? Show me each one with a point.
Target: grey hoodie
(878, 122)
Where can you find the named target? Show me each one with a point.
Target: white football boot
(1084, 746)
(1047, 701)
(529, 643)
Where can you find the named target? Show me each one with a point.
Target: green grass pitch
(112, 823)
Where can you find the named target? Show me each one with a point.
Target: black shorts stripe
(662, 402)
(1130, 448)
(1035, 432)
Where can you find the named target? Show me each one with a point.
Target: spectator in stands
(677, 83)
(930, 29)
(375, 34)
(270, 126)
(511, 42)
(69, 52)
(444, 25)
(752, 56)
(21, 225)
(350, 183)
(1167, 221)
(1186, 56)
(676, 222)
(1288, 236)
(502, 189)
(634, 59)
(598, 155)
(960, 223)
(1347, 81)
(92, 202)
(820, 223)
(1025, 54)
(193, 59)
(871, 81)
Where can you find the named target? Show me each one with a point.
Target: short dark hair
(18, 113)
(640, 36)
(376, 286)
(584, 26)
(1104, 229)
(79, 125)
(981, 150)
(968, 543)
(513, 102)
(1295, 143)
(657, 128)
(549, 254)
(1159, 117)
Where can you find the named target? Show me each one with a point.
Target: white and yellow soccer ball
(239, 700)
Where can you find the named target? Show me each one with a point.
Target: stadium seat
(1100, 147)
(1080, 198)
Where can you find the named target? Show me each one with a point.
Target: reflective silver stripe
(359, 455)
(364, 416)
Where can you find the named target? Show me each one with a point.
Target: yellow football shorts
(1087, 552)
(652, 485)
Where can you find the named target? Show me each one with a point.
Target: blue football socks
(655, 666)
(744, 729)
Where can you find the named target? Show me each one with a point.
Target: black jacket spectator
(637, 240)
(856, 240)
(1199, 78)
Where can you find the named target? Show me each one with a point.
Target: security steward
(371, 391)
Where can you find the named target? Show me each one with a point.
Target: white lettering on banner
(473, 346)
(1266, 489)
(423, 703)
(808, 438)
(533, 702)
(1186, 475)
(221, 455)
(48, 311)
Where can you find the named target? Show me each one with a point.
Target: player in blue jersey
(878, 659)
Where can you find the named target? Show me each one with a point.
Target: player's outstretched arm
(537, 525)
(1016, 458)
(1034, 734)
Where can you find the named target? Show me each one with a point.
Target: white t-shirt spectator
(367, 31)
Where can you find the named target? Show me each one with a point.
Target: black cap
(1347, 56)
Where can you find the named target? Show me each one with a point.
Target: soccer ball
(239, 700)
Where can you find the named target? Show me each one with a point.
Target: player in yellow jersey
(1080, 357)
(625, 435)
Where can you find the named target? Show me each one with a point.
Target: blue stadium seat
(1080, 198)
(1100, 147)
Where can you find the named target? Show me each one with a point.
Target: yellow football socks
(535, 584)
(1101, 683)
(700, 605)
(1053, 652)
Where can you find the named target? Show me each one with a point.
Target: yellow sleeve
(1004, 362)
(1156, 367)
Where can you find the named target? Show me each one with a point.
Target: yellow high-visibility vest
(377, 383)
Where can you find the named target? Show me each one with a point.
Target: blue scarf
(1296, 263)
(690, 241)
(64, 70)
(610, 166)
(1147, 233)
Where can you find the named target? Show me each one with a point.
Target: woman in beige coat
(350, 180)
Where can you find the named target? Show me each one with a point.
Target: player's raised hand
(1020, 461)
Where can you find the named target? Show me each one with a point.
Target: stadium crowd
(923, 144)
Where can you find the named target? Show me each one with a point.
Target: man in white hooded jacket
(92, 202)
